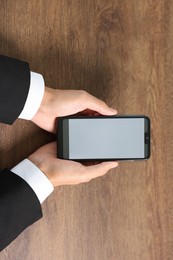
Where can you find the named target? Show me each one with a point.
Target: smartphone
(103, 138)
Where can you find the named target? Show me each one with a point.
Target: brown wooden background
(122, 52)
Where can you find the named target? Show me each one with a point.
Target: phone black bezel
(60, 137)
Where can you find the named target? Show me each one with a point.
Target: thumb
(100, 169)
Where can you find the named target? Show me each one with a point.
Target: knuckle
(103, 103)
(83, 93)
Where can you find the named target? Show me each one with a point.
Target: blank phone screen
(106, 138)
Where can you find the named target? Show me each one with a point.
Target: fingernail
(114, 111)
(114, 164)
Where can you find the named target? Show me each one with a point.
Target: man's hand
(66, 172)
(58, 103)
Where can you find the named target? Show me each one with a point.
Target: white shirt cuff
(35, 96)
(35, 178)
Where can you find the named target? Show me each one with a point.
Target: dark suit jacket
(19, 205)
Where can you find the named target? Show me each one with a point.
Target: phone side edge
(60, 138)
(148, 132)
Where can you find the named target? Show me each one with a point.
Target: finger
(98, 170)
(97, 105)
(50, 149)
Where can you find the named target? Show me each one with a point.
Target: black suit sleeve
(14, 87)
(19, 205)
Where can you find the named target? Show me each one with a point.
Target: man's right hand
(66, 172)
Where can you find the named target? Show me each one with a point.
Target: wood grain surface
(121, 52)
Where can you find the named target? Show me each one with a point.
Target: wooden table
(121, 52)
